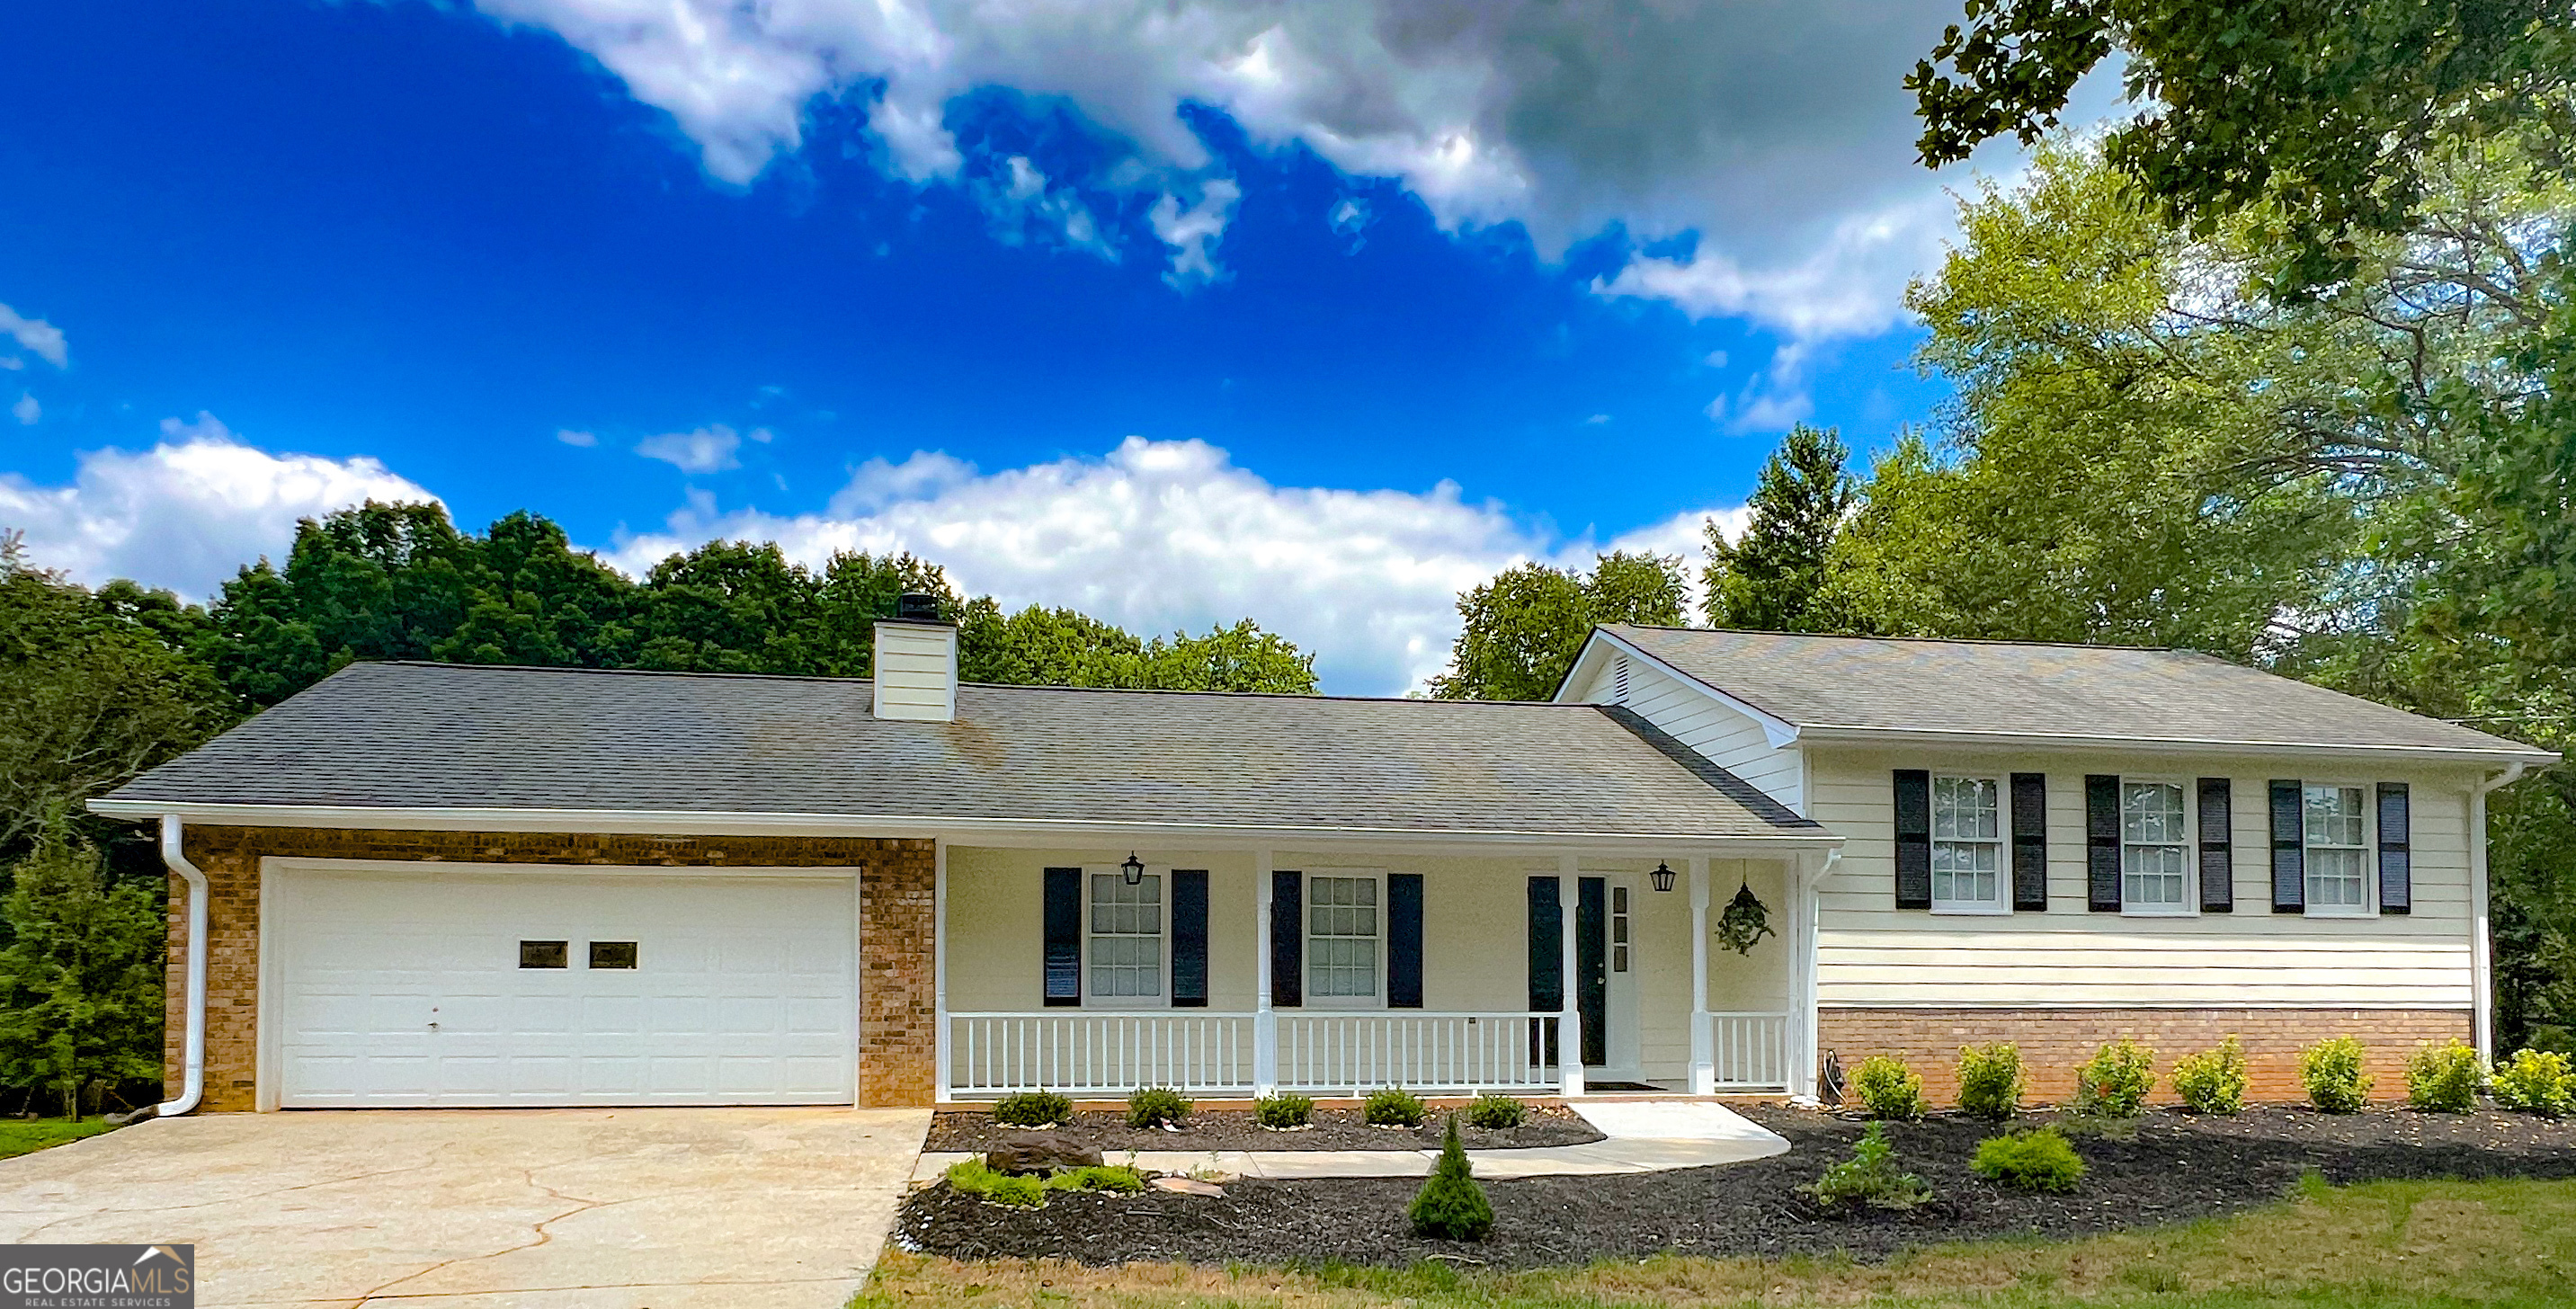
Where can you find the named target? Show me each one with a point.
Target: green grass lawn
(28, 1135)
(2384, 1245)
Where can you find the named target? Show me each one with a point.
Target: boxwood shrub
(1888, 1089)
(1990, 1080)
(2039, 1159)
(2115, 1081)
(1156, 1106)
(1393, 1106)
(1032, 1109)
(2444, 1078)
(1494, 1112)
(2334, 1077)
(2536, 1081)
(2213, 1081)
(1284, 1110)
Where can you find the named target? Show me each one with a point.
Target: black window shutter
(1063, 936)
(2101, 843)
(1404, 940)
(2289, 853)
(1287, 940)
(2217, 846)
(1913, 839)
(1546, 947)
(2396, 867)
(2030, 840)
(1189, 938)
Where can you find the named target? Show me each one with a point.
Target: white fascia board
(1779, 731)
(1828, 734)
(963, 831)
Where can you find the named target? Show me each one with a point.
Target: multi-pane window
(1126, 956)
(1967, 843)
(2336, 853)
(2155, 847)
(1341, 937)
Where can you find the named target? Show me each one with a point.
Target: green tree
(1769, 580)
(1521, 630)
(80, 981)
(2326, 117)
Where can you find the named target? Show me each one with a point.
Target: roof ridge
(999, 686)
(1926, 640)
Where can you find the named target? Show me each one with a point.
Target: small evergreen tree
(80, 983)
(1768, 581)
(1450, 1205)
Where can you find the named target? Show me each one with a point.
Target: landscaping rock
(1187, 1186)
(1037, 1152)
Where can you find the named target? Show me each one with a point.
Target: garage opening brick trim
(2055, 1041)
(898, 1027)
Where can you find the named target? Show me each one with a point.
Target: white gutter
(192, 1087)
(1839, 734)
(2481, 939)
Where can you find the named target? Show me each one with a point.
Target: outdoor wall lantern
(1134, 868)
(1663, 876)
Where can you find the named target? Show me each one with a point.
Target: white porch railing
(1107, 1052)
(1750, 1050)
(1085, 1051)
(1356, 1053)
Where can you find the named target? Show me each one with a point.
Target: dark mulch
(2178, 1167)
(1235, 1129)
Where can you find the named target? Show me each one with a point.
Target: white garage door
(549, 987)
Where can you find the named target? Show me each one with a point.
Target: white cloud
(710, 449)
(1777, 130)
(573, 436)
(188, 512)
(27, 410)
(36, 337)
(1192, 232)
(1166, 534)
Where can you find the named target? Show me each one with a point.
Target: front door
(1606, 970)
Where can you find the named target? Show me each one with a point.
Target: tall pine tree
(1768, 580)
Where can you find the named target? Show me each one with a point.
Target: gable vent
(1619, 681)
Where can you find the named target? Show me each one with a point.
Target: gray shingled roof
(1905, 685)
(427, 736)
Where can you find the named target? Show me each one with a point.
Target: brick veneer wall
(2054, 1041)
(897, 1022)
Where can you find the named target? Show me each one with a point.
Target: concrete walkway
(1646, 1136)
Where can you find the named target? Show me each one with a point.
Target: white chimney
(916, 663)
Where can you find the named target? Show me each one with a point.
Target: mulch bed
(2176, 1168)
(1235, 1129)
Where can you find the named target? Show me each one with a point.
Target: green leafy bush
(1156, 1106)
(1032, 1109)
(2332, 1072)
(1285, 1110)
(2536, 1081)
(1393, 1106)
(1117, 1178)
(2444, 1078)
(1450, 1206)
(2036, 1160)
(1888, 1089)
(1990, 1080)
(2115, 1081)
(1494, 1112)
(2213, 1081)
(1870, 1177)
(971, 1177)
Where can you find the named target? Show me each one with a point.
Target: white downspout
(2481, 941)
(192, 1087)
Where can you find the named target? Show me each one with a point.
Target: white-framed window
(1345, 939)
(1968, 846)
(2155, 847)
(2335, 829)
(1125, 958)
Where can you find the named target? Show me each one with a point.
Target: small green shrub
(1869, 1177)
(2115, 1081)
(1393, 1106)
(2332, 1072)
(1494, 1112)
(971, 1177)
(1888, 1089)
(1032, 1109)
(1156, 1106)
(1990, 1080)
(2536, 1081)
(2036, 1160)
(1118, 1178)
(1285, 1110)
(2444, 1078)
(2213, 1081)
(1450, 1206)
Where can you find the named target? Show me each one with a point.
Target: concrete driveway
(463, 1209)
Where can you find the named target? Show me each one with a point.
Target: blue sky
(1176, 320)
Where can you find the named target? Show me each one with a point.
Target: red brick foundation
(2054, 1041)
(898, 1026)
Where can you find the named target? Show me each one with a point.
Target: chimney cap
(917, 607)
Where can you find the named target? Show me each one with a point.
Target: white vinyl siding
(1871, 953)
(2335, 833)
(1124, 957)
(1721, 735)
(1967, 845)
(2155, 847)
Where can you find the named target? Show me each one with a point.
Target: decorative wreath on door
(1745, 921)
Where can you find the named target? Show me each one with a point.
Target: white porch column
(1703, 1054)
(939, 967)
(1265, 1024)
(1569, 1022)
(1806, 886)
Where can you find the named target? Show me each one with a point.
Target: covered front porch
(1234, 973)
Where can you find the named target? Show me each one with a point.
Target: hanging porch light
(1663, 876)
(1133, 869)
